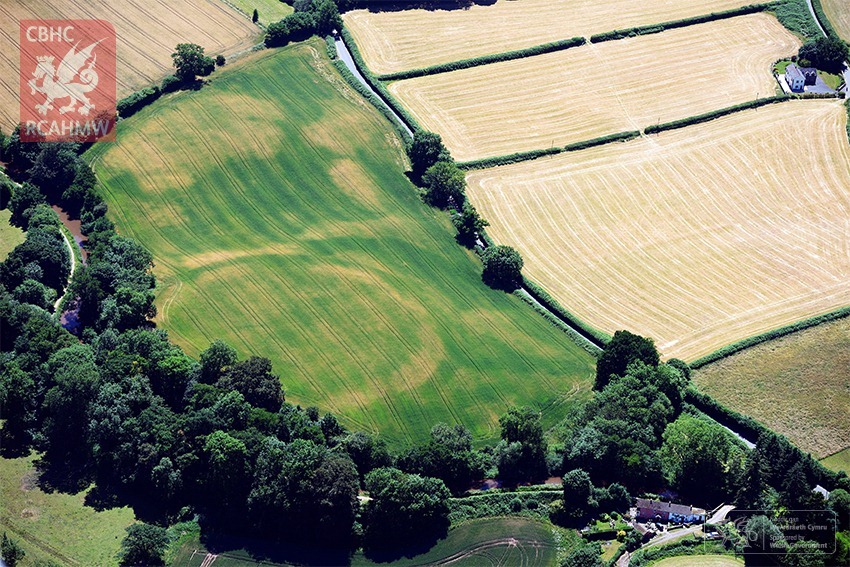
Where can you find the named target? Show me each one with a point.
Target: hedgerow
(595, 336)
(695, 546)
(795, 16)
(485, 59)
(658, 28)
(823, 19)
(532, 504)
(377, 85)
(754, 431)
(486, 163)
(136, 101)
(770, 335)
(698, 119)
(370, 97)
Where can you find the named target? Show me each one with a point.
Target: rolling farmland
(399, 40)
(797, 385)
(598, 89)
(274, 203)
(147, 33)
(723, 247)
(838, 12)
(700, 561)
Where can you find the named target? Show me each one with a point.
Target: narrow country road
(70, 275)
(345, 56)
(846, 73)
(577, 334)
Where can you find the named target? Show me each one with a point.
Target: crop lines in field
(410, 39)
(838, 12)
(797, 385)
(275, 205)
(696, 237)
(147, 33)
(589, 91)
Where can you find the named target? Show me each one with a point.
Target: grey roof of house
(669, 507)
(793, 72)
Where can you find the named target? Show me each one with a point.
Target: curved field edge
(274, 204)
(839, 461)
(564, 251)
(797, 385)
(488, 541)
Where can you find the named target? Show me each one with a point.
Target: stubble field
(400, 40)
(147, 33)
(598, 89)
(274, 203)
(696, 237)
(838, 12)
(798, 385)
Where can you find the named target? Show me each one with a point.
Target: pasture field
(147, 33)
(839, 461)
(696, 237)
(400, 40)
(797, 385)
(10, 236)
(54, 526)
(504, 542)
(700, 561)
(838, 12)
(269, 10)
(276, 208)
(597, 89)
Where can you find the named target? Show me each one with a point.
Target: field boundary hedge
(376, 101)
(743, 344)
(377, 85)
(134, 102)
(708, 116)
(551, 47)
(596, 337)
(681, 23)
(823, 20)
(486, 163)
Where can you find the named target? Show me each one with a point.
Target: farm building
(794, 77)
(799, 77)
(668, 512)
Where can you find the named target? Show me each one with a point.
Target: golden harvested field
(838, 12)
(411, 39)
(696, 237)
(593, 90)
(147, 33)
(798, 385)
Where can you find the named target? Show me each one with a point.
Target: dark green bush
(486, 59)
(133, 103)
(170, 84)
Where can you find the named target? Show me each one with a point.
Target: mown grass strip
(485, 59)
(769, 335)
(684, 22)
(487, 163)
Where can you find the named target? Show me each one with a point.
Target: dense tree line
(311, 17)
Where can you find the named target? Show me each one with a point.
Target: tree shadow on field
(432, 6)
(281, 552)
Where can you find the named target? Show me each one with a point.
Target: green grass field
(797, 385)
(478, 543)
(57, 527)
(839, 461)
(10, 236)
(700, 561)
(279, 218)
(268, 10)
